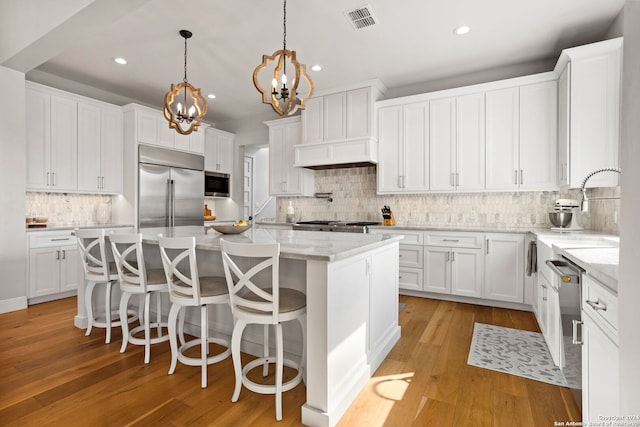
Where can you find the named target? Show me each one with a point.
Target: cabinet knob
(597, 305)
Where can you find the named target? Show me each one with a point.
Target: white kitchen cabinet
(100, 149)
(152, 128)
(600, 364)
(589, 114)
(504, 267)
(453, 263)
(457, 143)
(218, 155)
(53, 263)
(521, 141)
(542, 313)
(52, 143)
(284, 178)
(553, 336)
(410, 257)
(403, 143)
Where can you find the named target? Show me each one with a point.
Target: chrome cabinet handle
(64, 254)
(448, 257)
(457, 179)
(574, 332)
(57, 254)
(487, 251)
(53, 174)
(451, 180)
(450, 240)
(544, 292)
(61, 239)
(515, 179)
(521, 178)
(453, 256)
(98, 182)
(48, 179)
(597, 305)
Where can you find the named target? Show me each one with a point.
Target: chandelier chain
(284, 24)
(185, 60)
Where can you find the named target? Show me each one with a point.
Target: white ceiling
(412, 44)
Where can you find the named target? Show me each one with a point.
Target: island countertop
(305, 245)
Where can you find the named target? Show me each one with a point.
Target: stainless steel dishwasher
(568, 284)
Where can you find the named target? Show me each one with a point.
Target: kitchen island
(351, 284)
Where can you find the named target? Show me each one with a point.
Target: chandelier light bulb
(192, 111)
(284, 79)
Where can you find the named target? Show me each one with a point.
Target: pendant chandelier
(284, 99)
(184, 105)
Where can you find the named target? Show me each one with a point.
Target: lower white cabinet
(54, 263)
(504, 267)
(455, 271)
(600, 375)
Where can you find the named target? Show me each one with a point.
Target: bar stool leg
(204, 346)
(159, 312)
(107, 310)
(265, 351)
(173, 340)
(236, 337)
(88, 303)
(279, 362)
(147, 327)
(181, 326)
(124, 301)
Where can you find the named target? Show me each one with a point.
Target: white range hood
(338, 128)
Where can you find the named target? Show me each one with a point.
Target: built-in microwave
(216, 184)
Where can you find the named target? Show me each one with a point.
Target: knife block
(389, 221)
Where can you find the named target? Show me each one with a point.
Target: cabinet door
(442, 138)
(38, 140)
(502, 124)
(543, 303)
(595, 118)
(390, 149)
(312, 120)
(112, 151)
(225, 153)
(277, 161)
(147, 128)
(89, 175)
(466, 272)
(470, 147)
(293, 180)
(181, 142)
(164, 135)
(196, 141)
(538, 135)
(69, 268)
(563, 126)
(358, 113)
(553, 336)
(64, 143)
(504, 272)
(334, 116)
(415, 157)
(437, 270)
(600, 375)
(44, 271)
(410, 278)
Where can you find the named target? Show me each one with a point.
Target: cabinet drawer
(454, 240)
(411, 237)
(601, 304)
(411, 256)
(44, 239)
(410, 278)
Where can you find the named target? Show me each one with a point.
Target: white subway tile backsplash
(67, 209)
(354, 198)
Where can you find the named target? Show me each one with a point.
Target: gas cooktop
(344, 226)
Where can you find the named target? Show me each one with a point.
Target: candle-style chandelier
(188, 109)
(284, 99)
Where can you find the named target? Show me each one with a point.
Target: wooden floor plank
(53, 375)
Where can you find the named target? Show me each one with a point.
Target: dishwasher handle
(566, 271)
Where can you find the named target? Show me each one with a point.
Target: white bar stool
(251, 304)
(188, 289)
(136, 279)
(97, 269)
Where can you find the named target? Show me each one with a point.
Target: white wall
(13, 291)
(629, 284)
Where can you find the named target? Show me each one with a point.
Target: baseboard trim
(13, 304)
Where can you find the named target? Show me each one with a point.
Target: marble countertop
(306, 245)
(476, 228)
(61, 227)
(600, 263)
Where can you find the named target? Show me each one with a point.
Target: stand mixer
(564, 208)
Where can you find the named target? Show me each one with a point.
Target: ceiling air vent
(361, 17)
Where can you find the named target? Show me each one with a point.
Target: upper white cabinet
(218, 154)
(339, 127)
(284, 178)
(403, 143)
(153, 129)
(589, 112)
(457, 142)
(100, 149)
(504, 267)
(521, 141)
(74, 144)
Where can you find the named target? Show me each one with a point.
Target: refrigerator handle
(173, 203)
(167, 206)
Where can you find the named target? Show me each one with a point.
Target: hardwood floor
(51, 374)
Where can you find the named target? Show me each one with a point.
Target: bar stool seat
(136, 279)
(97, 269)
(251, 304)
(188, 289)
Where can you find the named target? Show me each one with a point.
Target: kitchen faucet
(584, 204)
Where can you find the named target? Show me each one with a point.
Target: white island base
(351, 284)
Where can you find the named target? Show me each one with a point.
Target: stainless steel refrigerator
(170, 188)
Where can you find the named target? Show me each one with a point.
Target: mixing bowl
(560, 218)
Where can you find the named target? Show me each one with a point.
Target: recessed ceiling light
(462, 29)
(211, 96)
(316, 67)
(120, 60)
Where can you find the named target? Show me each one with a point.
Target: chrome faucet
(584, 204)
